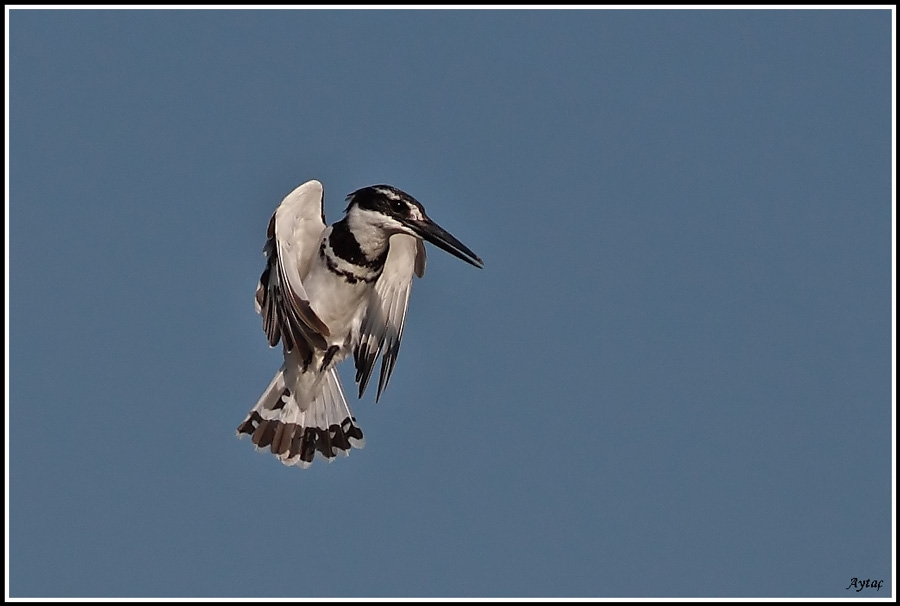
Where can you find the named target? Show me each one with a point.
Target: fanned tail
(293, 434)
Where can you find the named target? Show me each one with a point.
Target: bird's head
(396, 212)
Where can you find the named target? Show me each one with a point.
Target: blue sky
(671, 378)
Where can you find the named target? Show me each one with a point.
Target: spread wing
(382, 326)
(292, 243)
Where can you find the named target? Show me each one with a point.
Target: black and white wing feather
(382, 325)
(292, 244)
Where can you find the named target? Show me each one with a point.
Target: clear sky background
(671, 378)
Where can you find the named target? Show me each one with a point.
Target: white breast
(338, 303)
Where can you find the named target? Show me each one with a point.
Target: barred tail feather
(295, 435)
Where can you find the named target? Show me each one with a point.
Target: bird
(328, 293)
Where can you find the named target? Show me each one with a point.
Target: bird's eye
(397, 206)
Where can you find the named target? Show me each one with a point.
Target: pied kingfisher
(327, 292)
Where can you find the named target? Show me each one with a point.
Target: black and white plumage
(327, 293)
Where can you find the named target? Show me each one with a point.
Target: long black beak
(437, 235)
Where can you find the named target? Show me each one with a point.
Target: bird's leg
(328, 357)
